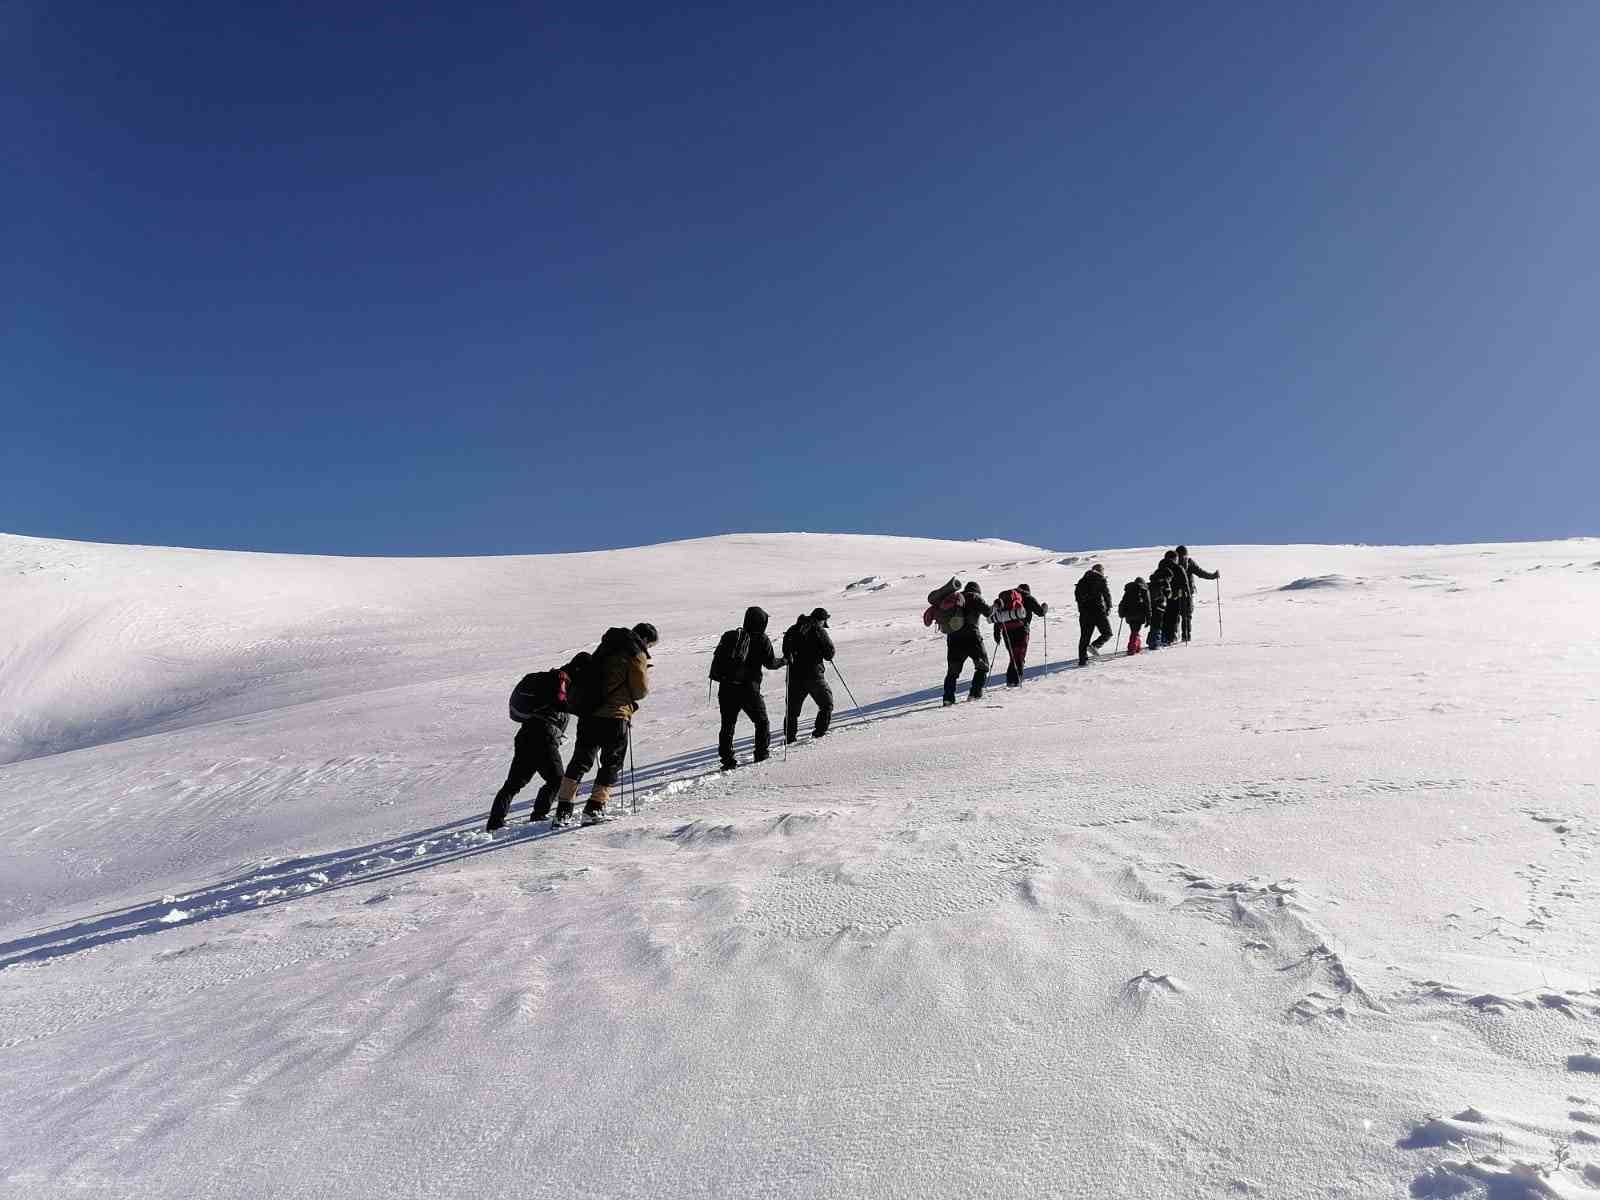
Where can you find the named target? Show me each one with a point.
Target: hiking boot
(563, 814)
(541, 810)
(595, 810)
(949, 701)
(493, 825)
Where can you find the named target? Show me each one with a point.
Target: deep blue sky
(456, 278)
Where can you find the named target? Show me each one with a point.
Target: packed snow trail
(1308, 913)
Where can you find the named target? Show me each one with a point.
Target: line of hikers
(1165, 603)
(604, 687)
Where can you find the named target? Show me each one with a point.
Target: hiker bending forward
(617, 679)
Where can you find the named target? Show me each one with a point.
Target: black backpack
(727, 663)
(546, 690)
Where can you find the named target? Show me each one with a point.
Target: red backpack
(1010, 610)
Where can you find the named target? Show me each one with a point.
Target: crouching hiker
(1014, 611)
(741, 655)
(1093, 595)
(608, 692)
(539, 704)
(1134, 608)
(808, 649)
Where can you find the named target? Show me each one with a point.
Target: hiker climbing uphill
(807, 649)
(1014, 611)
(540, 706)
(1093, 595)
(959, 613)
(607, 695)
(741, 656)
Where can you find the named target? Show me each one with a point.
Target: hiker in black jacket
(1190, 569)
(1134, 608)
(1093, 595)
(1013, 629)
(1178, 584)
(967, 642)
(536, 751)
(808, 649)
(1160, 597)
(742, 692)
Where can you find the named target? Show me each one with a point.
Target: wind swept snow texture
(1238, 919)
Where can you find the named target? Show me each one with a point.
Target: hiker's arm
(638, 677)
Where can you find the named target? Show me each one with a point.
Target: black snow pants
(958, 650)
(1088, 625)
(1158, 620)
(536, 751)
(1169, 627)
(1188, 615)
(734, 699)
(803, 686)
(605, 736)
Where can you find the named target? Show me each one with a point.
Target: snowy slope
(1308, 912)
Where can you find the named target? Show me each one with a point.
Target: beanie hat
(1024, 589)
(646, 633)
(1183, 550)
(1098, 568)
(972, 588)
(819, 614)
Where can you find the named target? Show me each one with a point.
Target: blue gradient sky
(397, 278)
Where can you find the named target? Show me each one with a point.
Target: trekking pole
(1011, 655)
(1118, 642)
(847, 690)
(1219, 610)
(633, 780)
(1046, 620)
(788, 699)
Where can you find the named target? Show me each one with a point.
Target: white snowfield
(1312, 911)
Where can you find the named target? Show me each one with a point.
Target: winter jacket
(1160, 588)
(1135, 605)
(623, 663)
(1177, 580)
(807, 646)
(1093, 595)
(1192, 568)
(760, 656)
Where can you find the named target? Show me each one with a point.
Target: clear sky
(455, 278)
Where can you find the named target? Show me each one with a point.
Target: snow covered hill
(1309, 911)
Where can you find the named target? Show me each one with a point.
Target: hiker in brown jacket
(620, 666)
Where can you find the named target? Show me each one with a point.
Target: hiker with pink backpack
(1014, 611)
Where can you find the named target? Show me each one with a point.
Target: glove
(1044, 608)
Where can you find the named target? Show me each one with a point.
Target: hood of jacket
(755, 620)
